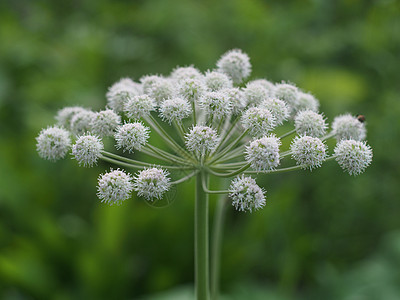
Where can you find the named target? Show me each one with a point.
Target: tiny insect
(361, 118)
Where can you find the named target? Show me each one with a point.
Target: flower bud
(278, 108)
(131, 136)
(259, 121)
(255, 93)
(307, 151)
(288, 93)
(175, 109)
(139, 107)
(191, 88)
(246, 195)
(87, 149)
(65, 115)
(182, 73)
(306, 101)
(216, 81)
(80, 122)
(201, 139)
(235, 64)
(347, 127)
(263, 153)
(152, 183)
(53, 143)
(353, 156)
(216, 104)
(120, 92)
(114, 187)
(310, 123)
(105, 122)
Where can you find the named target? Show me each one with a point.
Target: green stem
(283, 170)
(216, 245)
(201, 240)
(287, 133)
(120, 163)
(130, 161)
(185, 178)
(166, 137)
(230, 146)
(234, 173)
(194, 112)
(225, 136)
(205, 189)
(173, 158)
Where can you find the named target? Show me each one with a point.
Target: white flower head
(310, 123)
(139, 107)
(105, 122)
(191, 88)
(307, 151)
(347, 127)
(353, 156)
(201, 139)
(114, 187)
(306, 101)
(80, 122)
(182, 73)
(216, 104)
(246, 195)
(278, 108)
(265, 83)
(175, 109)
(152, 183)
(216, 81)
(65, 115)
(120, 92)
(255, 93)
(259, 121)
(288, 93)
(87, 149)
(236, 97)
(162, 89)
(147, 82)
(131, 136)
(53, 143)
(263, 153)
(235, 64)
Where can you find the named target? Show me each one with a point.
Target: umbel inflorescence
(214, 124)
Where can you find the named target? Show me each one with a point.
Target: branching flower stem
(230, 146)
(287, 133)
(166, 137)
(183, 179)
(174, 158)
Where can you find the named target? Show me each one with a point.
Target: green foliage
(321, 233)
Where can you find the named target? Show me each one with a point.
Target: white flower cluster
(225, 124)
(152, 183)
(202, 139)
(246, 194)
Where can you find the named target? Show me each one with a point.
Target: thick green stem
(216, 245)
(201, 240)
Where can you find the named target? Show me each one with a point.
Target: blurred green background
(323, 234)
